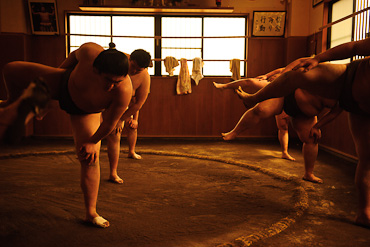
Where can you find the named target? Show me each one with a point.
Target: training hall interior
(191, 187)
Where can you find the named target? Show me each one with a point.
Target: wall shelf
(138, 9)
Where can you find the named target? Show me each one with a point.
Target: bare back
(85, 85)
(312, 105)
(140, 87)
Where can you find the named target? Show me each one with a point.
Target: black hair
(112, 61)
(142, 58)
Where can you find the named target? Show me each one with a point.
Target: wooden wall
(206, 112)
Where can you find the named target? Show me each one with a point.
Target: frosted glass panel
(181, 37)
(133, 26)
(223, 48)
(77, 41)
(128, 45)
(181, 27)
(188, 48)
(342, 31)
(98, 25)
(113, 26)
(218, 26)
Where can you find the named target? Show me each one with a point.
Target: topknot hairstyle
(112, 61)
(112, 45)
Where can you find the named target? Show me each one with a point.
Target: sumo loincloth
(291, 107)
(346, 100)
(65, 100)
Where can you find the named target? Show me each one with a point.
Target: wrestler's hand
(307, 64)
(315, 133)
(271, 78)
(133, 124)
(88, 153)
(262, 77)
(119, 127)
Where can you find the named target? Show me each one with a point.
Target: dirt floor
(188, 192)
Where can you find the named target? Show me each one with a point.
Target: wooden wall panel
(207, 111)
(265, 55)
(12, 48)
(296, 47)
(337, 136)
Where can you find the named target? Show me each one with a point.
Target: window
(216, 40)
(361, 25)
(342, 31)
(361, 21)
(124, 31)
(355, 28)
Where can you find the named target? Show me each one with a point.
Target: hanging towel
(197, 70)
(170, 63)
(183, 82)
(235, 69)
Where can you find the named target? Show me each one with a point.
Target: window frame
(353, 32)
(157, 33)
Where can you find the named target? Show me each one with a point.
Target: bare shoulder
(145, 77)
(141, 79)
(124, 90)
(88, 51)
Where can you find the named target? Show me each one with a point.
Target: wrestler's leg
(282, 122)
(360, 129)
(84, 126)
(303, 126)
(254, 116)
(33, 102)
(325, 80)
(113, 150)
(18, 75)
(250, 85)
(131, 140)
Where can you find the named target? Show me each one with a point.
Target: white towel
(235, 69)
(197, 70)
(170, 63)
(183, 82)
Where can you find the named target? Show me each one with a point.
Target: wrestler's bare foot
(312, 178)
(246, 97)
(115, 179)
(229, 136)
(287, 156)
(97, 221)
(362, 220)
(219, 85)
(134, 156)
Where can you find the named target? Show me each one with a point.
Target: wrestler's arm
(270, 76)
(324, 120)
(343, 51)
(133, 123)
(294, 64)
(112, 114)
(89, 149)
(274, 72)
(141, 95)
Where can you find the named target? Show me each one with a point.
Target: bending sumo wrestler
(347, 83)
(91, 80)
